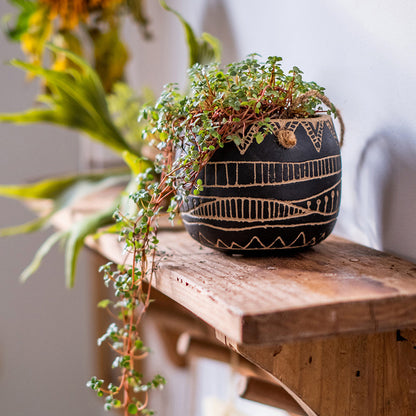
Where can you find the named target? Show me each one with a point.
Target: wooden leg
(354, 375)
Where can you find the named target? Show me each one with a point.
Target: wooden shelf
(334, 288)
(324, 323)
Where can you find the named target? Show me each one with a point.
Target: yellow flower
(71, 12)
(39, 32)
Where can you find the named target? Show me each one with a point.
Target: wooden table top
(336, 287)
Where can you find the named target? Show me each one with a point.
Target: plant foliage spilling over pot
(257, 164)
(280, 194)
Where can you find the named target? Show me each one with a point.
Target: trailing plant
(187, 129)
(138, 230)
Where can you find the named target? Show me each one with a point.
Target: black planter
(259, 198)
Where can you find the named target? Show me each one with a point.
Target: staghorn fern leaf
(76, 237)
(210, 49)
(27, 227)
(77, 101)
(136, 164)
(41, 253)
(55, 187)
(73, 240)
(124, 105)
(63, 191)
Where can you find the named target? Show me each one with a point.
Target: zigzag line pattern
(256, 244)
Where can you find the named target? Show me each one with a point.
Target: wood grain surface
(336, 287)
(345, 375)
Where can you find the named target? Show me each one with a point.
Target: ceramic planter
(282, 194)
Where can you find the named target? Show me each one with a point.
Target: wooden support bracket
(350, 375)
(192, 347)
(255, 383)
(258, 390)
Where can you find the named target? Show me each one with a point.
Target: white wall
(362, 52)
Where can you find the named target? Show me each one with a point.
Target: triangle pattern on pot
(245, 141)
(289, 125)
(314, 129)
(331, 128)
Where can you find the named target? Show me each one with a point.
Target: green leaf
(110, 56)
(104, 303)
(77, 100)
(236, 139)
(68, 40)
(191, 39)
(27, 8)
(136, 164)
(41, 253)
(124, 105)
(76, 237)
(202, 50)
(63, 191)
(27, 227)
(132, 409)
(259, 137)
(138, 344)
(214, 52)
(55, 187)
(73, 189)
(136, 10)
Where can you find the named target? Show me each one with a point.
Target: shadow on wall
(386, 192)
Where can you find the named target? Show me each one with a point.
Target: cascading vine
(188, 130)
